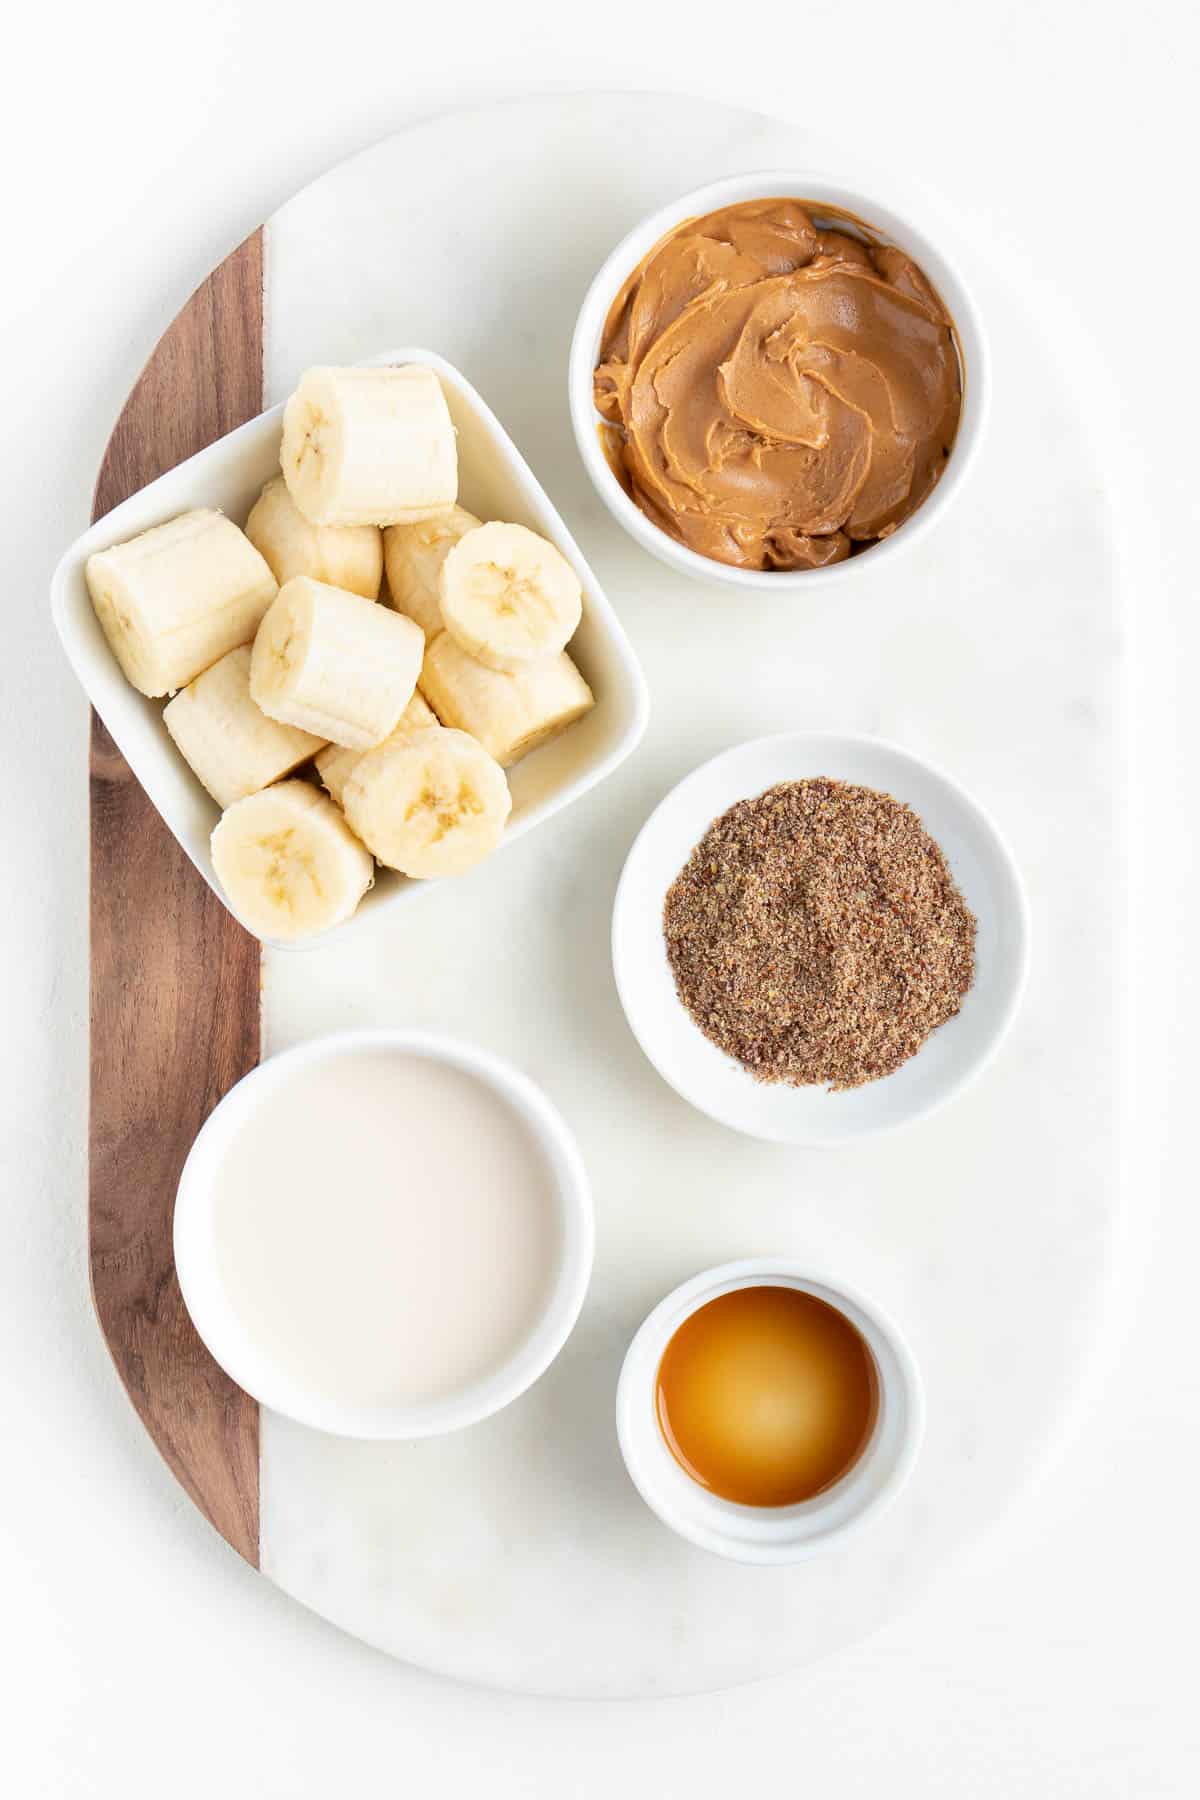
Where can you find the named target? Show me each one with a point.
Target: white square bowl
(496, 482)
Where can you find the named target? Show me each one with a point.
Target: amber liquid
(767, 1395)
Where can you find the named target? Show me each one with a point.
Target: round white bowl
(769, 1534)
(951, 1056)
(238, 1353)
(877, 207)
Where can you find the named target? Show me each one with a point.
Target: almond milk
(387, 1228)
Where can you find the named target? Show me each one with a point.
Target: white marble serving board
(517, 1553)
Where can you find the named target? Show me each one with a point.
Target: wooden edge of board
(175, 992)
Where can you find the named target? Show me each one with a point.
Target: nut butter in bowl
(775, 377)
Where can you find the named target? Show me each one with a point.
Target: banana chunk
(173, 600)
(434, 803)
(334, 664)
(345, 556)
(509, 596)
(288, 862)
(226, 739)
(335, 763)
(369, 446)
(413, 556)
(509, 713)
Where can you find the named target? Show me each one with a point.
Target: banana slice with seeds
(229, 742)
(369, 446)
(509, 597)
(434, 803)
(413, 556)
(334, 763)
(334, 664)
(510, 713)
(289, 863)
(345, 556)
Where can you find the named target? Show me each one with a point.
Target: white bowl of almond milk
(384, 1234)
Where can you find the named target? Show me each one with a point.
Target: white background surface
(140, 144)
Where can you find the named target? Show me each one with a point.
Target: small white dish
(954, 1054)
(875, 204)
(495, 482)
(769, 1534)
(240, 1354)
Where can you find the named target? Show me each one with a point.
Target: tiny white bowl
(876, 206)
(496, 482)
(980, 862)
(769, 1534)
(239, 1353)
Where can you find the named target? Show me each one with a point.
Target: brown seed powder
(816, 934)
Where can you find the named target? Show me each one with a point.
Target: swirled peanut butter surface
(778, 394)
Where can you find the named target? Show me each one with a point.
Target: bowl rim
(869, 197)
(750, 1534)
(1021, 921)
(253, 1368)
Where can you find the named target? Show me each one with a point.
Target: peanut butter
(778, 393)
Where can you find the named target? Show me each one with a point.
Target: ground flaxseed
(816, 934)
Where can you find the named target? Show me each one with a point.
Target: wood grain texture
(174, 979)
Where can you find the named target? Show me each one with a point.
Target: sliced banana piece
(509, 596)
(413, 556)
(510, 713)
(335, 763)
(369, 446)
(229, 742)
(346, 556)
(173, 600)
(434, 803)
(288, 862)
(334, 664)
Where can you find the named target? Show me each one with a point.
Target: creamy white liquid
(387, 1228)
